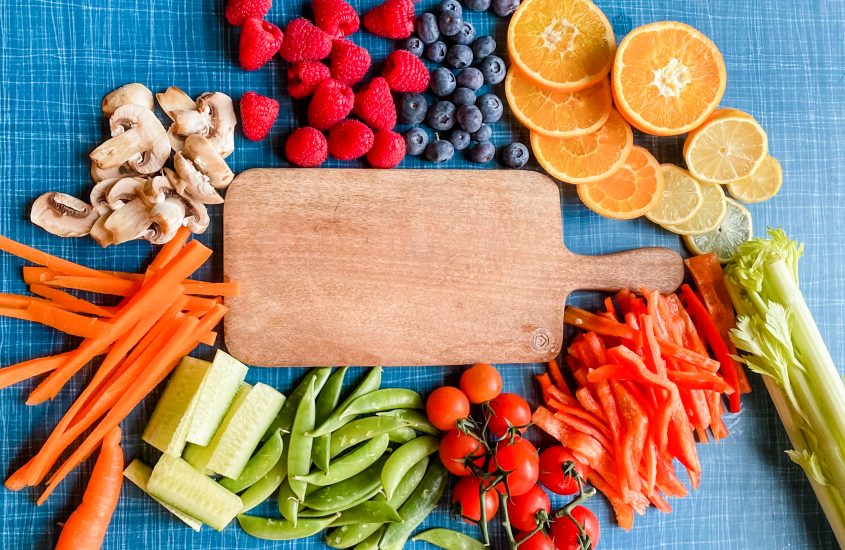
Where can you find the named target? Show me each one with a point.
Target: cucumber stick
(177, 483)
(139, 473)
(215, 396)
(199, 456)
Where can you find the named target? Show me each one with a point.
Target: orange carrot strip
(42, 258)
(15, 301)
(99, 285)
(39, 311)
(230, 289)
(38, 275)
(585, 320)
(198, 303)
(170, 249)
(27, 369)
(69, 301)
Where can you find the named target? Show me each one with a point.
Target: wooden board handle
(653, 268)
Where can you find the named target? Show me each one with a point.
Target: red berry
(305, 42)
(374, 104)
(238, 11)
(260, 41)
(307, 147)
(392, 19)
(405, 72)
(350, 62)
(258, 113)
(332, 102)
(304, 76)
(336, 17)
(349, 140)
(388, 149)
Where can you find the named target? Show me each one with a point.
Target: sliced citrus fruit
(667, 78)
(587, 158)
(731, 145)
(561, 44)
(760, 186)
(681, 197)
(630, 192)
(723, 241)
(554, 113)
(709, 215)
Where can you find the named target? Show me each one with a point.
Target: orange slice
(667, 78)
(561, 44)
(629, 193)
(587, 158)
(554, 113)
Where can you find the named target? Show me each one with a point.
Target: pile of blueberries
(458, 109)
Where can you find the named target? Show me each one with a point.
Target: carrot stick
(69, 301)
(585, 320)
(27, 369)
(15, 301)
(47, 260)
(170, 250)
(199, 304)
(38, 311)
(38, 275)
(99, 285)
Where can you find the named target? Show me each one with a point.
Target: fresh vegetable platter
(785, 62)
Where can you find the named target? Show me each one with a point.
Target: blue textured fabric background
(786, 65)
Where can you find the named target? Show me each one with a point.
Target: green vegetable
(368, 512)
(418, 506)
(139, 473)
(362, 429)
(448, 539)
(349, 464)
(369, 384)
(326, 403)
(266, 486)
(214, 397)
(258, 466)
(274, 529)
(782, 342)
(402, 435)
(375, 401)
(288, 503)
(403, 459)
(371, 542)
(348, 492)
(299, 448)
(415, 418)
(199, 456)
(284, 420)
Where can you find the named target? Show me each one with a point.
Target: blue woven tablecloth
(786, 65)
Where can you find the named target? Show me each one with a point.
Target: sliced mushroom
(123, 191)
(167, 217)
(175, 181)
(205, 157)
(196, 215)
(130, 94)
(138, 138)
(130, 222)
(63, 215)
(99, 196)
(213, 118)
(172, 100)
(194, 183)
(101, 174)
(100, 234)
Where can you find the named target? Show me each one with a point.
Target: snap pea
(266, 486)
(360, 430)
(344, 494)
(418, 506)
(372, 495)
(373, 402)
(274, 529)
(288, 503)
(299, 448)
(403, 459)
(402, 435)
(326, 402)
(371, 542)
(416, 419)
(258, 466)
(449, 540)
(370, 383)
(349, 464)
(284, 419)
(370, 511)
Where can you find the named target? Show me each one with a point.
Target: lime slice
(681, 197)
(760, 186)
(723, 241)
(709, 215)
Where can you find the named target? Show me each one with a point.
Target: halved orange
(561, 44)
(587, 158)
(554, 113)
(667, 78)
(629, 193)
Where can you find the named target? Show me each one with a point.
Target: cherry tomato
(445, 406)
(552, 462)
(565, 533)
(538, 541)
(522, 509)
(481, 383)
(508, 409)
(465, 494)
(455, 447)
(521, 460)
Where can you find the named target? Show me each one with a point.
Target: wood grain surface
(408, 267)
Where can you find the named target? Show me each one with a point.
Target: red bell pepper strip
(585, 320)
(557, 376)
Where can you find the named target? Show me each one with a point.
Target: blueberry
(452, 6)
(459, 139)
(469, 117)
(415, 141)
(483, 46)
(503, 8)
(459, 56)
(414, 45)
(439, 151)
(482, 152)
(490, 106)
(493, 69)
(515, 155)
(436, 52)
(477, 5)
(471, 78)
(441, 116)
(442, 82)
(483, 134)
(463, 96)
(412, 108)
(466, 34)
(449, 23)
(427, 28)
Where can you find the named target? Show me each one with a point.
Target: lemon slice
(681, 197)
(731, 145)
(709, 215)
(760, 186)
(723, 241)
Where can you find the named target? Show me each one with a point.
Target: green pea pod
(370, 383)
(403, 459)
(284, 420)
(402, 435)
(373, 402)
(416, 419)
(418, 506)
(326, 403)
(449, 539)
(371, 542)
(274, 529)
(362, 429)
(266, 486)
(347, 492)
(288, 503)
(349, 464)
(259, 465)
(370, 511)
(299, 448)
(366, 497)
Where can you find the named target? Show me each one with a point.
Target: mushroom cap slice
(207, 160)
(124, 190)
(167, 217)
(130, 222)
(129, 94)
(63, 215)
(100, 234)
(196, 215)
(173, 99)
(138, 138)
(99, 196)
(156, 190)
(101, 174)
(196, 184)
(221, 132)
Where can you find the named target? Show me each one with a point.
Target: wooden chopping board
(408, 267)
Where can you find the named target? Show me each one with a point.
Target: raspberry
(387, 151)
(349, 140)
(392, 19)
(374, 105)
(336, 17)
(304, 76)
(350, 62)
(332, 101)
(307, 147)
(258, 113)
(405, 72)
(260, 41)
(238, 11)
(306, 42)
